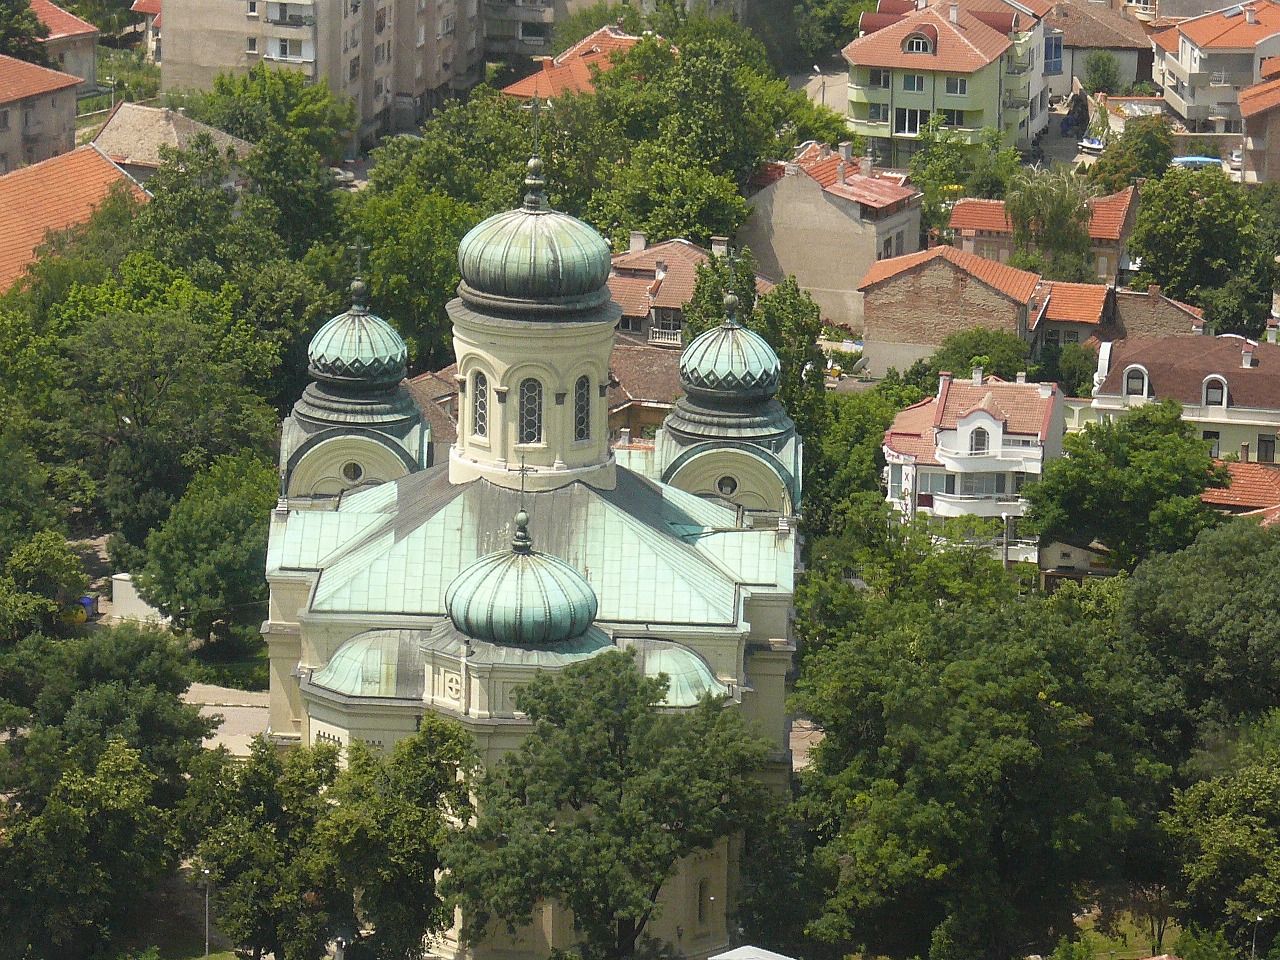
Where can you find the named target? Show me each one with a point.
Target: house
(1062, 561)
(50, 196)
(37, 113)
(652, 284)
(134, 134)
(1064, 313)
(970, 450)
(1261, 125)
(983, 227)
(826, 199)
(976, 62)
(574, 70)
(1229, 387)
(1073, 29)
(1254, 487)
(150, 10)
(72, 44)
(1203, 63)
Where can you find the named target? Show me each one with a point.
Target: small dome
(358, 345)
(534, 253)
(730, 358)
(689, 679)
(520, 597)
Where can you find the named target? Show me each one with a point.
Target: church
(400, 585)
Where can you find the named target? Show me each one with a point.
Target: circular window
(727, 486)
(352, 471)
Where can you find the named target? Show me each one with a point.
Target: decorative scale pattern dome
(358, 345)
(730, 358)
(520, 597)
(534, 253)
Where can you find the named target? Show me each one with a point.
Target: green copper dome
(520, 597)
(358, 345)
(534, 253)
(730, 358)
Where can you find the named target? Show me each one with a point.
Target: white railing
(669, 338)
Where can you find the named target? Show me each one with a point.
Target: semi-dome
(521, 597)
(534, 253)
(358, 346)
(730, 358)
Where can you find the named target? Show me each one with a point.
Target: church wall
(756, 486)
(339, 463)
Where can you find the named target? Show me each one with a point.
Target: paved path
(244, 714)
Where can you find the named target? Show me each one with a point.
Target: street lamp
(1253, 954)
(817, 72)
(205, 871)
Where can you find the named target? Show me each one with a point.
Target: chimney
(1272, 325)
(1244, 452)
(660, 270)
(977, 376)
(1021, 377)
(791, 169)
(720, 246)
(944, 378)
(1046, 390)
(824, 151)
(638, 241)
(1251, 14)
(624, 436)
(840, 171)
(955, 12)
(869, 161)
(846, 150)
(1246, 354)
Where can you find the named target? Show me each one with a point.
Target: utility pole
(206, 913)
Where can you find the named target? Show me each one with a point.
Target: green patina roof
(730, 358)
(534, 253)
(380, 663)
(358, 345)
(520, 596)
(689, 679)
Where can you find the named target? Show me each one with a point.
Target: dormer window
(1135, 382)
(917, 44)
(979, 441)
(1215, 392)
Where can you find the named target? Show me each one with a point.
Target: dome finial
(730, 310)
(359, 296)
(521, 542)
(536, 198)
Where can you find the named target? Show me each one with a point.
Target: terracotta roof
(1229, 28)
(150, 7)
(1038, 8)
(1019, 285)
(962, 47)
(1254, 486)
(1019, 406)
(1166, 39)
(134, 134)
(1270, 68)
(1107, 215)
(1096, 26)
(19, 80)
(571, 71)
(1260, 98)
(1178, 367)
(643, 374)
(1073, 302)
(1268, 517)
(52, 195)
(911, 433)
(632, 294)
(884, 188)
(674, 290)
(61, 24)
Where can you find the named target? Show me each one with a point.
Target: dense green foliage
(1101, 72)
(1142, 152)
(824, 26)
(1049, 210)
(21, 32)
(945, 168)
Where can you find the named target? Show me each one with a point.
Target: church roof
(652, 554)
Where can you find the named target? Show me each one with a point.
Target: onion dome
(730, 359)
(534, 254)
(358, 346)
(520, 597)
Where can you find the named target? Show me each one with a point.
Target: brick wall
(1146, 314)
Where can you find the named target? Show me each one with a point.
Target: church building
(400, 585)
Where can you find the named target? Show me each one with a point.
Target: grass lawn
(1130, 942)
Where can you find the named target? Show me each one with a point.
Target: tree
(1142, 152)
(25, 505)
(1101, 72)
(1133, 483)
(1050, 213)
(823, 26)
(21, 32)
(600, 802)
(586, 20)
(289, 173)
(998, 353)
(204, 565)
(944, 163)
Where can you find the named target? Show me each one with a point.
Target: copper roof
(1229, 28)
(681, 259)
(53, 195)
(1254, 486)
(1260, 98)
(962, 47)
(19, 80)
(571, 71)
(1018, 285)
(1107, 215)
(1178, 366)
(60, 22)
(1095, 25)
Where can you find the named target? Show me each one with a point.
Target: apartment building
(37, 113)
(397, 59)
(977, 63)
(1205, 62)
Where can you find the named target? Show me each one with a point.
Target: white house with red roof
(826, 199)
(971, 450)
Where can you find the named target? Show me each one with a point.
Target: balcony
(1018, 66)
(666, 338)
(982, 505)
(292, 20)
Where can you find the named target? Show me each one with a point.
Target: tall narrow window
(582, 409)
(979, 441)
(480, 406)
(531, 411)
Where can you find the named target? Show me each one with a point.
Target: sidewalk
(244, 715)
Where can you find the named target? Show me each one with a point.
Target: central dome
(358, 346)
(534, 253)
(520, 597)
(730, 358)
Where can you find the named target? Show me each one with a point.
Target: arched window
(582, 409)
(1215, 392)
(530, 411)
(917, 44)
(979, 441)
(1135, 383)
(480, 405)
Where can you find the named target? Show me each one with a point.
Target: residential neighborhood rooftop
(1254, 486)
(1071, 302)
(572, 71)
(965, 46)
(19, 80)
(1233, 27)
(1015, 283)
(61, 23)
(1095, 26)
(1177, 368)
(637, 286)
(134, 134)
(1107, 215)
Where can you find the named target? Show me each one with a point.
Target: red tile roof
(1019, 406)
(911, 433)
(52, 195)
(987, 215)
(1073, 302)
(1254, 486)
(1178, 366)
(19, 80)
(1260, 98)
(1107, 215)
(571, 71)
(1166, 39)
(1268, 516)
(1089, 25)
(150, 7)
(61, 24)
(962, 47)
(643, 374)
(681, 259)
(1018, 285)
(1230, 29)
(1270, 68)
(883, 189)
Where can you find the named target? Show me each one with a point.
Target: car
(1237, 159)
